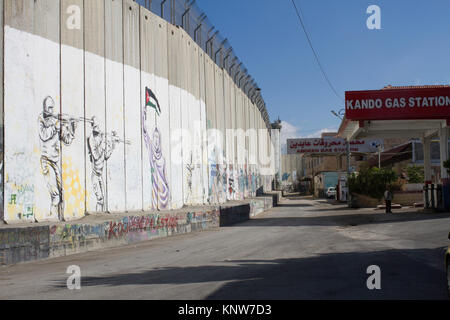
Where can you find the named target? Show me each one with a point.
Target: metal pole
(188, 8)
(210, 40)
(162, 8)
(227, 55)
(349, 201)
(247, 82)
(199, 25)
(245, 73)
(172, 12)
(219, 51)
(237, 72)
(379, 157)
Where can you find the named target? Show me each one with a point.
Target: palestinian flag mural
(152, 101)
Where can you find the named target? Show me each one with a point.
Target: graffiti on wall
(160, 185)
(223, 174)
(241, 184)
(217, 179)
(100, 148)
(253, 184)
(131, 228)
(190, 168)
(231, 183)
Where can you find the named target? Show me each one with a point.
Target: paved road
(304, 249)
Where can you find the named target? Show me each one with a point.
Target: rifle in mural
(65, 118)
(115, 137)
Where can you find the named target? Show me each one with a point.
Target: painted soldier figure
(53, 131)
(100, 148)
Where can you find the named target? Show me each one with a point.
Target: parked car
(331, 192)
(447, 267)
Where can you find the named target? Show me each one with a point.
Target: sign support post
(349, 200)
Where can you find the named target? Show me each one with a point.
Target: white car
(331, 192)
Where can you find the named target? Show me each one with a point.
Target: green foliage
(373, 182)
(446, 165)
(415, 174)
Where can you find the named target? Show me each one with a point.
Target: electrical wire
(314, 52)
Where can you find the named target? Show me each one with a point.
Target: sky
(412, 48)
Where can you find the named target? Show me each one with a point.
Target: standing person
(51, 133)
(388, 199)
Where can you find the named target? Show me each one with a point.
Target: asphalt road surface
(304, 249)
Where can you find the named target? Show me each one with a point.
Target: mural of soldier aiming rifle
(54, 129)
(100, 148)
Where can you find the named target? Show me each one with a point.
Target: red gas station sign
(398, 104)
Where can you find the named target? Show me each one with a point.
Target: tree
(415, 174)
(373, 182)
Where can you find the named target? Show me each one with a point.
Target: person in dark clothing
(388, 199)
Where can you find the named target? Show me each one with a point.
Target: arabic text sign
(331, 146)
(398, 104)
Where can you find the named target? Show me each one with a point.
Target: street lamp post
(340, 114)
(379, 156)
(349, 200)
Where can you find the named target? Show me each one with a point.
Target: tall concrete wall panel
(95, 105)
(240, 114)
(203, 126)
(72, 105)
(155, 113)
(174, 62)
(114, 86)
(214, 190)
(247, 145)
(252, 137)
(132, 107)
(231, 141)
(193, 154)
(220, 127)
(31, 53)
(229, 161)
(149, 113)
(161, 156)
(184, 71)
(291, 168)
(2, 113)
(210, 93)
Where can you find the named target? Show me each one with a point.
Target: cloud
(318, 134)
(288, 131)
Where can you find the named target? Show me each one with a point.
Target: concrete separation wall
(110, 109)
(30, 243)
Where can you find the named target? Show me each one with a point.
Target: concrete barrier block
(23, 244)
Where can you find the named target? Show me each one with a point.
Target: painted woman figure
(160, 185)
(160, 189)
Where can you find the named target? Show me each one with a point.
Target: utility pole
(379, 156)
(349, 201)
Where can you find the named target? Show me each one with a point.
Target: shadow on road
(341, 220)
(294, 205)
(340, 208)
(404, 275)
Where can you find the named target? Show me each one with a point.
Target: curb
(32, 243)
